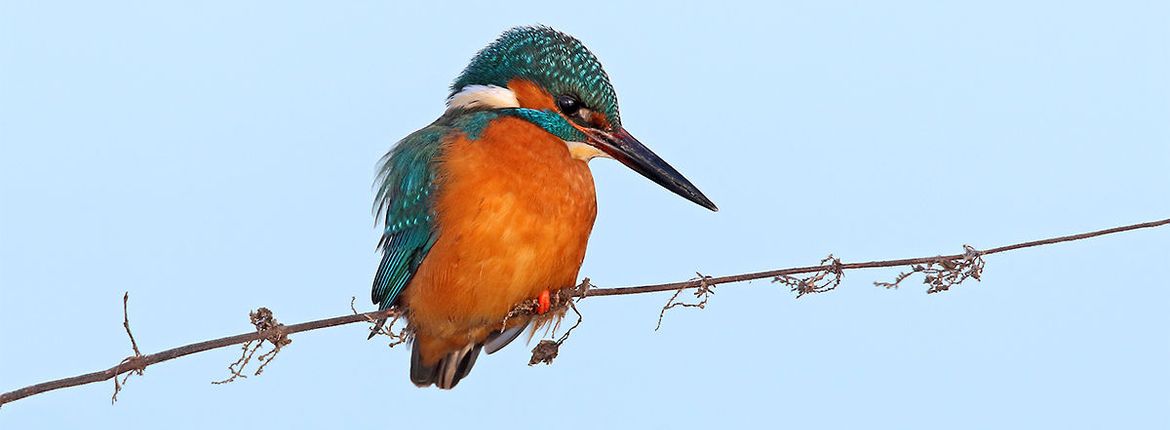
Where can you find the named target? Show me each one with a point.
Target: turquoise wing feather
(406, 185)
(404, 203)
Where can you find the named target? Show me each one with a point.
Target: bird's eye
(568, 104)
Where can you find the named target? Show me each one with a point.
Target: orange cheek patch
(598, 119)
(531, 95)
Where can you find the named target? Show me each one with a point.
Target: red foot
(543, 303)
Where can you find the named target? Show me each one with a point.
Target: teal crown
(557, 62)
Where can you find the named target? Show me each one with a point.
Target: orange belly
(513, 211)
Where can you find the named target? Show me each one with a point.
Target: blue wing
(404, 205)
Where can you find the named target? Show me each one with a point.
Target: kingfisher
(492, 204)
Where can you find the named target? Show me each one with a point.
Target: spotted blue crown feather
(553, 60)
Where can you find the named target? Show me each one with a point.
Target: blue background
(213, 157)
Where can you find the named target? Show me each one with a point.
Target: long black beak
(629, 151)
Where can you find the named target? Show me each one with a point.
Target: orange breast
(514, 211)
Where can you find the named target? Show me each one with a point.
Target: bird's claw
(543, 303)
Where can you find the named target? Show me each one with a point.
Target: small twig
(546, 350)
(704, 292)
(266, 358)
(398, 337)
(559, 302)
(132, 363)
(126, 323)
(582, 290)
(237, 368)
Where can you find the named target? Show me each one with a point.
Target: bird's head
(550, 79)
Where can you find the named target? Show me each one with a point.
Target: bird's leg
(543, 303)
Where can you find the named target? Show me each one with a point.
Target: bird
(493, 203)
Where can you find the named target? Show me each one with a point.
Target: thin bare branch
(654, 288)
(133, 363)
(138, 362)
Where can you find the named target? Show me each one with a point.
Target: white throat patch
(483, 96)
(584, 151)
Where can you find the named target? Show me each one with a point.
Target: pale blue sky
(213, 157)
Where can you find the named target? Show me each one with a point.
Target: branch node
(397, 337)
(133, 363)
(942, 273)
(272, 332)
(581, 291)
(818, 282)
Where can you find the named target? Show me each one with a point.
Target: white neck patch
(483, 96)
(496, 97)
